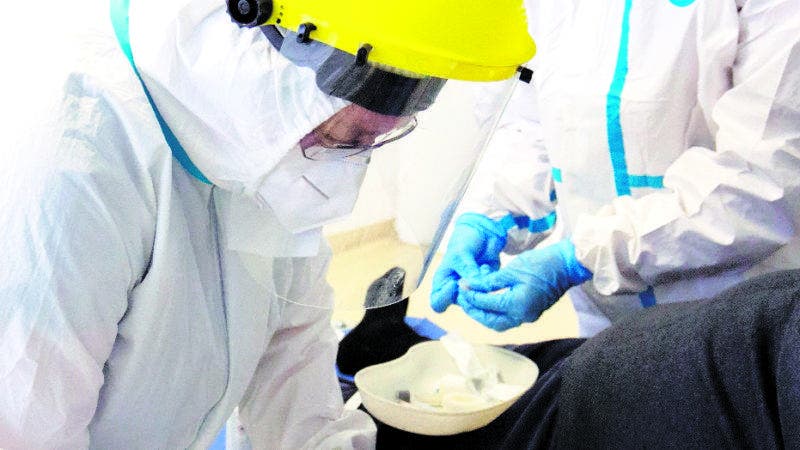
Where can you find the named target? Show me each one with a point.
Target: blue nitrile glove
(476, 241)
(534, 280)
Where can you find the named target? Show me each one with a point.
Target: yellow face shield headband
(471, 40)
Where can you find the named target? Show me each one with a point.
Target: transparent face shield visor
(417, 172)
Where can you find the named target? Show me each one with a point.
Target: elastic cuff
(539, 225)
(507, 222)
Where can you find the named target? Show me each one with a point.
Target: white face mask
(305, 194)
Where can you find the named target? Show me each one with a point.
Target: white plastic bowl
(421, 367)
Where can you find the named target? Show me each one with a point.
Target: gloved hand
(476, 241)
(534, 280)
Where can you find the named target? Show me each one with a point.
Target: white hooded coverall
(663, 137)
(140, 306)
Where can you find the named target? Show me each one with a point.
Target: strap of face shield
(340, 74)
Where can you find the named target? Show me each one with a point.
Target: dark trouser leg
(527, 424)
(723, 373)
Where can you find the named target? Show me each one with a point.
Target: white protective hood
(236, 105)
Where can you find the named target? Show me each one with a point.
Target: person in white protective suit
(658, 152)
(166, 174)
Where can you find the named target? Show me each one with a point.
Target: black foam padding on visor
(339, 75)
(374, 88)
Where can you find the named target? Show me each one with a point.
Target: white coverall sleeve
(294, 400)
(723, 208)
(64, 279)
(515, 176)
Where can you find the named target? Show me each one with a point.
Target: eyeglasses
(329, 148)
